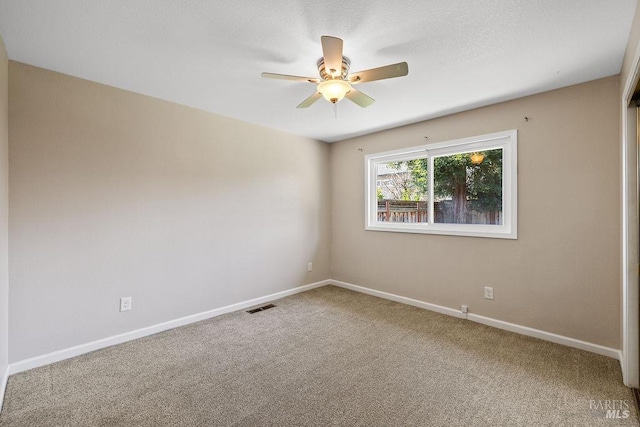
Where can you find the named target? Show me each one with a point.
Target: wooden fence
(402, 211)
(410, 212)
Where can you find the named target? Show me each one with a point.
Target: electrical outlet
(465, 309)
(488, 292)
(125, 304)
(310, 266)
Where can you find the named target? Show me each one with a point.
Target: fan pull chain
(335, 110)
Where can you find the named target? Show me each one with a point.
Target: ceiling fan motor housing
(327, 75)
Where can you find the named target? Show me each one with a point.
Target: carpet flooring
(328, 356)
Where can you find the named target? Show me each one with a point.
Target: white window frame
(506, 140)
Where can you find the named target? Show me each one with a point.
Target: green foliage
(485, 189)
(471, 187)
(419, 173)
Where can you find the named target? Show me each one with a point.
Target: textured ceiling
(209, 54)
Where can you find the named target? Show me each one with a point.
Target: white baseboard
(67, 353)
(4, 377)
(523, 330)
(397, 298)
(547, 336)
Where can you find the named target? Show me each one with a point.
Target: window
(466, 187)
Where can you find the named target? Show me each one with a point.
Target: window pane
(468, 188)
(401, 191)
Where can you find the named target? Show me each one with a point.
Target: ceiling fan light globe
(334, 90)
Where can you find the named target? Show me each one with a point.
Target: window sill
(487, 231)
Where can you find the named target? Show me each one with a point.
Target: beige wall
(562, 274)
(116, 194)
(4, 211)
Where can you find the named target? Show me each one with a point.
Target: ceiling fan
(335, 82)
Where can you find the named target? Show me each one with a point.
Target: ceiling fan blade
(332, 53)
(359, 98)
(387, 72)
(310, 100)
(288, 77)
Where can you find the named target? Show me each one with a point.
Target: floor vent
(264, 307)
